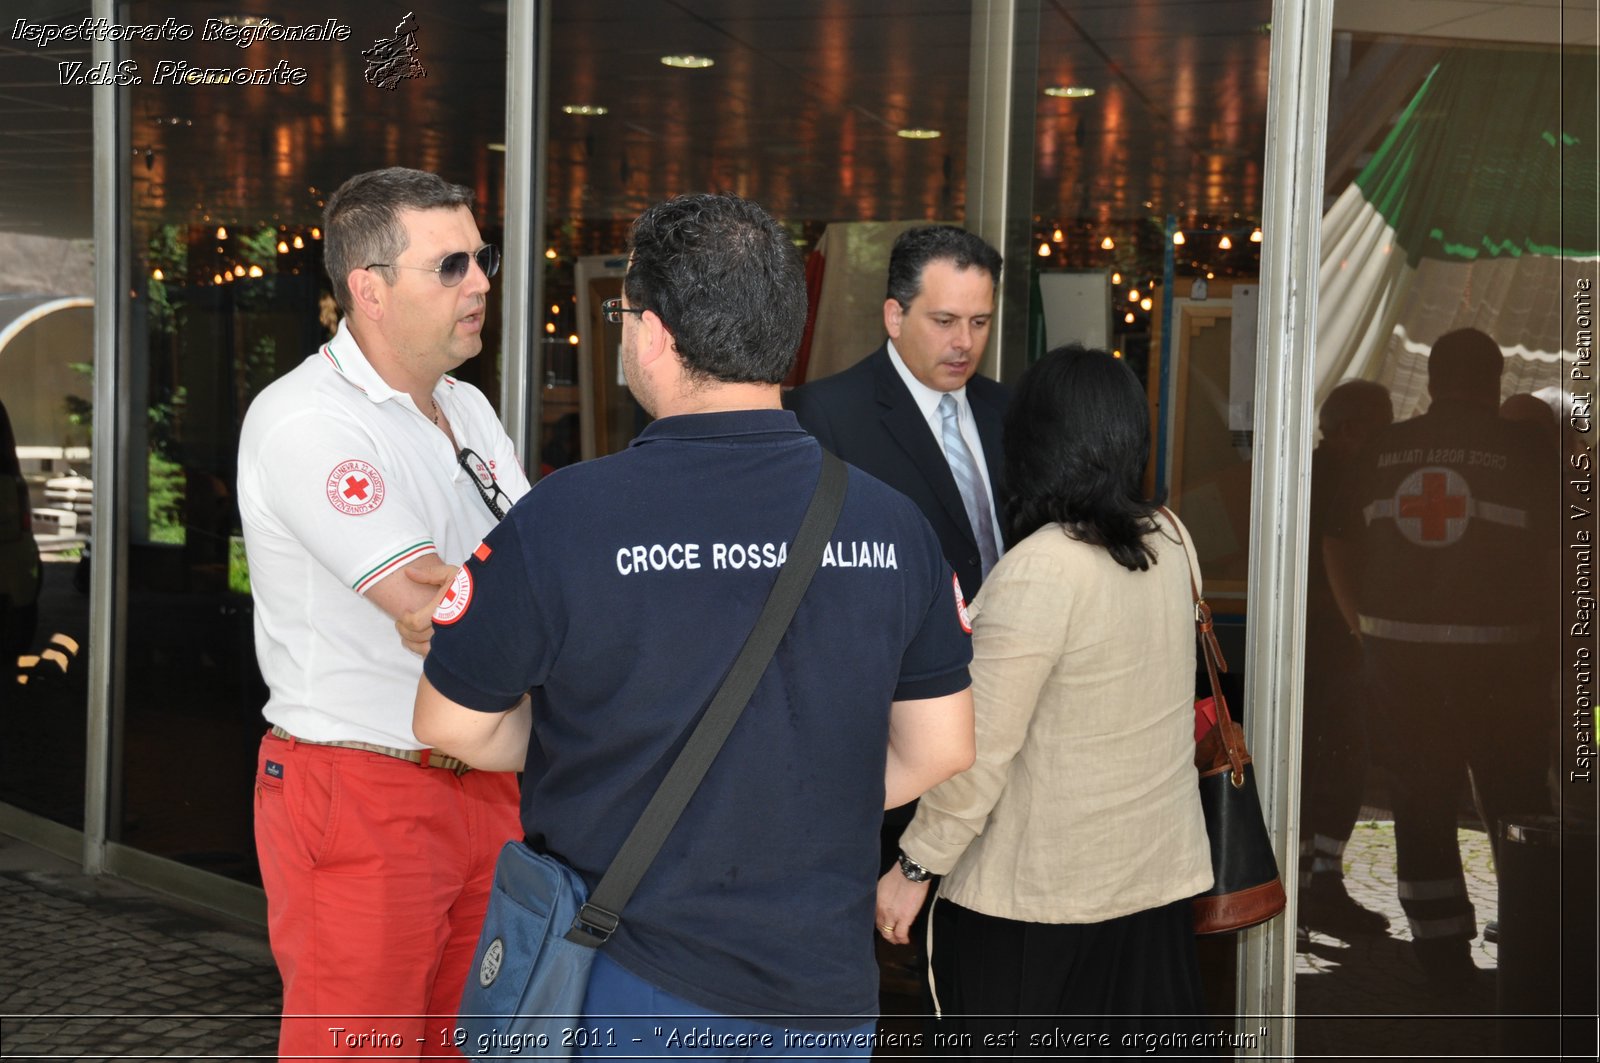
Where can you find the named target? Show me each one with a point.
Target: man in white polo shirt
(365, 461)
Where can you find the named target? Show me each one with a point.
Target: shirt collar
(726, 425)
(927, 398)
(344, 354)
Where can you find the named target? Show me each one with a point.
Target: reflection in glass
(46, 387)
(228, 191)
(800, 111)
(1461, 221)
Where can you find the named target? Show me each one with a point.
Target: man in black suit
(914, 413)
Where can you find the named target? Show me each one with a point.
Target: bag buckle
(593, 926)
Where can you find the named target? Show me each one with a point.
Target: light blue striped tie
(969, 481)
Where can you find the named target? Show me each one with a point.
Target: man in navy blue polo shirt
(618, 594)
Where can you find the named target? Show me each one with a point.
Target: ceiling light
(216, 278)
(1177, 238)
(283, 247)
(1057, 237)
(222, 233)
(298, 243)
(1116, 278)
(583, 109)
(1133, 295)
(1210, 276)
(1116, 354)
(550, 252)
(573, 339)
(1225, 243)
(687, 62)
(255, 271)
(238, 271)
(1145, 303)
(1044, 250)
(919, 134)
(1255, 237)
(1107, 244)
(1127, 319)
(1070, 92)
(157, 275)
(550, 327)
(316, 233)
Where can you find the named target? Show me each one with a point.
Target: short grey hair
(361, 224)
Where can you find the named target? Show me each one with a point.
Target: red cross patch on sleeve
(354, 487)
(453, 606)
(961, 605)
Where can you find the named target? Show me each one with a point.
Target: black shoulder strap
(598, 919)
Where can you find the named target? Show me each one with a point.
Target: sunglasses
(452, 268)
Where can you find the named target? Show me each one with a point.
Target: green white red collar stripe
(392, 563)
(333, 359)
(338, 366)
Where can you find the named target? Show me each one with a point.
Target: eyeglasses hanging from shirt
(483, 479)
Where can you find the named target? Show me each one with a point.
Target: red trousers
(377, 873)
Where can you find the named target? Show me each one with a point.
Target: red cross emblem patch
(1433, 506)
(354, 487)
(455, 601)
(961, 604)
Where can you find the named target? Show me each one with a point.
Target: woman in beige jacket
(1071, 848)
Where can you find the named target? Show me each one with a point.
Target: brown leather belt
(425, 757)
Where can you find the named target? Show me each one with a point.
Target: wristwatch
(913, 870)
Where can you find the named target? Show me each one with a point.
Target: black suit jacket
(867, 417)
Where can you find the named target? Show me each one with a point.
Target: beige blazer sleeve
(1019, 626)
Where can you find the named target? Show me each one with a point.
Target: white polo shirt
(343, 481)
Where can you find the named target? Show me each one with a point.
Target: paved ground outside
(97, 967)
(1367, 997)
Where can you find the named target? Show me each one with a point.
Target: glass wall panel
(829, 114)
(1149, 146)
(228, 185)
(46, 382)
(847, 119)
(1448, 810)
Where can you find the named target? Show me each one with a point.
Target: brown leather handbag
(1245, 889)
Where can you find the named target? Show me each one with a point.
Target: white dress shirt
(927, 400)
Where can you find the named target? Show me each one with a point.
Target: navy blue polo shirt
(619, 592)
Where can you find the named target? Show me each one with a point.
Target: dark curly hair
(726, 280)
(1077, 436)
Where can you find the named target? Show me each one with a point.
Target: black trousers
(1438, 712)
(1012, 989)
(1335, 740)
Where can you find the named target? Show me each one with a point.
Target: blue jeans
(632, 1019)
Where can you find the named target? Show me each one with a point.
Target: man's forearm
(904, 783)
(929, 741)
(487, 741)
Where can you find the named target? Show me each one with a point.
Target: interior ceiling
(800, 111)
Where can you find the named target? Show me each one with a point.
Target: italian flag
(1479, 209)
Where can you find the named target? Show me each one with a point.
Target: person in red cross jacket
(1442, 561)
